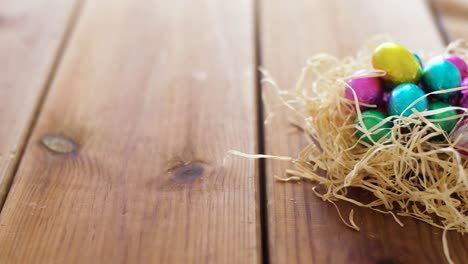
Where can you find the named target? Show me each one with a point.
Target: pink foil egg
(368, 90)
(458, 62)
(461, 133)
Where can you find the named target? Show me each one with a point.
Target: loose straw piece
(259, 156)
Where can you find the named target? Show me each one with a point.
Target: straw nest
(407, 174)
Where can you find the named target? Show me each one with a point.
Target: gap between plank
(69, 29)
(262, 184)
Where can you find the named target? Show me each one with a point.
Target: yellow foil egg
(399, 63)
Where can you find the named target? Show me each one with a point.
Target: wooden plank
(131, 169)
(31, 33)
(453, 16)
(302, 228)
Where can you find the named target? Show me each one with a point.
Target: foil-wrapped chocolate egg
(461, 134)
(438, 75)
(370, 120)
(368, 90)
(457, 62)
(403, 96)
(418, 59)
(400, 65)
(447, 122)
(463, 102)
(464, 82)
(464, 99)
(383, 103)
(460, 98)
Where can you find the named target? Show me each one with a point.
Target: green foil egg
(404, 96)
(446, 125)
(400, 65)
(439, 75)
(371, 119)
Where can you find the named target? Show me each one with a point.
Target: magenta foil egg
(458, 62)
(368, 90)
(464, 81)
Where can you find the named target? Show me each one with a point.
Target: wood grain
(31, 33)
(454, 17)
(127, 162)
(302, 228)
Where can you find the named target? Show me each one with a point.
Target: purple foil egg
(368, 90)
(458, 62)
(464, 99)
(383, 103)
(455, 99)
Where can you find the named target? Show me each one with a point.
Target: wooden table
(117, 115)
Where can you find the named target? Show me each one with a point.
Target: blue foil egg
(438, 75)
(418, 59)
(403, 96)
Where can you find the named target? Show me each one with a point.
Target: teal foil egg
(370, 120)
(403, 96)
(439, 74)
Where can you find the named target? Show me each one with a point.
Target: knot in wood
(58, 144)
(187, 172)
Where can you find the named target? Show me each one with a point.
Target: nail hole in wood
(58, 144)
